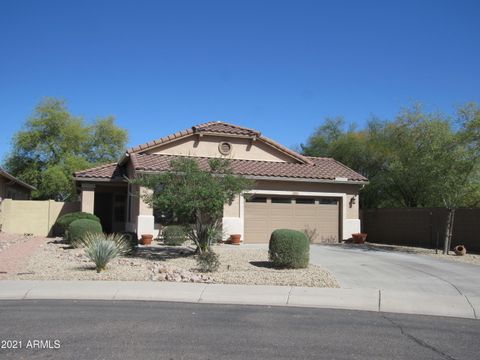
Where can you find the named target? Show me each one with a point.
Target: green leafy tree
(54, 143)
(196, 195)
(418, 159)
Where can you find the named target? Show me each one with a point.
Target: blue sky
(277, 66)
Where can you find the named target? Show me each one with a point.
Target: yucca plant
(101, 248)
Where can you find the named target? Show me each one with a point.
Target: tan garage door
(263, 214)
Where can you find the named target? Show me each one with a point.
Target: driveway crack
(379, 299)
(473, 308)
(448, 282)
(418, 341)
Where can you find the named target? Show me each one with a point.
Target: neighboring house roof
(321, 169)
(219, 128)
(4, 173)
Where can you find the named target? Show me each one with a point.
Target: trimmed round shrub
(79, 228)
(289, 249)
(62, 223)
(174, 235)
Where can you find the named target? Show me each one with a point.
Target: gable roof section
(16, 180)
(220, 128)
(322, 169)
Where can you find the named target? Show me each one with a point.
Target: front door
(103, 208)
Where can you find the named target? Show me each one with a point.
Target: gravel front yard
(56, 261)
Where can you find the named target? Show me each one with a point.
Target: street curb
(331, 298)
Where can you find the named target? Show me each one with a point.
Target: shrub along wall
(421, 227)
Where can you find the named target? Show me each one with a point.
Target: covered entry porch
(119, 206)
(108, 201)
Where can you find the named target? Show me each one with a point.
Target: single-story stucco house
(291, 190)
(13, 188)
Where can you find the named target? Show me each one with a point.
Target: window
(328, 201)
(257, 199)
(305, 201)
(281, 200)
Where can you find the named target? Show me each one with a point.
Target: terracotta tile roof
(220, 127)
(106, 171)
(322, 169)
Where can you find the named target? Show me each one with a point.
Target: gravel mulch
(57, 261)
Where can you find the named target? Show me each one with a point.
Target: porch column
(145, 220)
(88, 198)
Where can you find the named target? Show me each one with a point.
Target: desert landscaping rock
(58, 261)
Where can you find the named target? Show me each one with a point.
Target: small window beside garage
(281, 200)
(328, 201)
(257, 199)
(306, 201)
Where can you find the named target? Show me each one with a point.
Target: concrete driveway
(386, 270)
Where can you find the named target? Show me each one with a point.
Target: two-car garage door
(263, 214)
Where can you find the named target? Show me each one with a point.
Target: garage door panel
(263, 218)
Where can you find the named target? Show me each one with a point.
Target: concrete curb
(349, 299)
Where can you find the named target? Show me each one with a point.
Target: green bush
(77, 230)
(289, 249)
(174, 235)
(64, 221)
(208, 261)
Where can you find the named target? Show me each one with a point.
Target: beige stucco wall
(232, 210)
(349, 190)
(144, 208)
(87, 198)
(208, 146)
(32, 217)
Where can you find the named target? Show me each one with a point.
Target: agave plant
(101, 248)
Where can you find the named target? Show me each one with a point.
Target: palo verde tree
(53, 144)
(196, 195)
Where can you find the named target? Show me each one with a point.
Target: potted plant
(235, 239)
(359, 238)
(146, 239)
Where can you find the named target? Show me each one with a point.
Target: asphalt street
(160, 330)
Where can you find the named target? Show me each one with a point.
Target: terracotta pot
(460, 250)
(235, 239)
(146, 239)
(359, 238)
